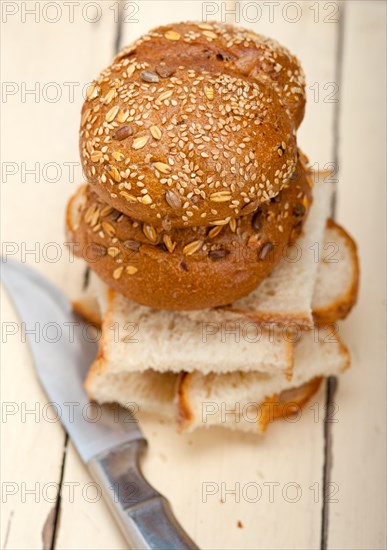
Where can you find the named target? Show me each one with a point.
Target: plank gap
(59, 496)
(9, 523)
(337, 106)
(118, 37)
(331, 389)
(332, 382)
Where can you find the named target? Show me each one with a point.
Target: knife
(109, 445)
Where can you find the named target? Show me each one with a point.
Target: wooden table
(47, 59)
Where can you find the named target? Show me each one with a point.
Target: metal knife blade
(62, 351)
(110, 447)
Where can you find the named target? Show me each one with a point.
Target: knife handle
(144, 515)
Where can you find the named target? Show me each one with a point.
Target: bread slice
(286, 295)
(238, 400)
(196, 400)
(136, 338)
(92, 299)
(149, 391)
(337, 282)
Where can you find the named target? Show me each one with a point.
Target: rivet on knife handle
(144, 515)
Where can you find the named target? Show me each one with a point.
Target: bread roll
(191, 268)
(192, 124)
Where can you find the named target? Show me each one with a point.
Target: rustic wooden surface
(342, 50)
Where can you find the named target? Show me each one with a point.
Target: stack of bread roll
(207, 232)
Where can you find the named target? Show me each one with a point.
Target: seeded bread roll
(190, 268)
(191, 125)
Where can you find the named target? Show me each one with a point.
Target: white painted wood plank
(180, 466)
(309, 30)
(357, 520)
(41, 55)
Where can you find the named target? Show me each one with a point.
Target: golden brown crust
(287, 403)
(88, 313)
(194, 267)
(191, 124)
(184, 413)
(341, 308)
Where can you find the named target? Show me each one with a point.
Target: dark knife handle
(144, 515)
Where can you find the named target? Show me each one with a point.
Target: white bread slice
(337, 282)
(198, 400)
(137, 338)
(92, 299)
(149, 391)
(205, 400)
(286, 295)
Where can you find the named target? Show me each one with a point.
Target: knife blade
(109, 444)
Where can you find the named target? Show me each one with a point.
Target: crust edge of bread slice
(273, 406)
(340, 308)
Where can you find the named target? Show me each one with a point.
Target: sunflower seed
(166, 224)
(256, 222)
(149, 76)
(131, 270)
(164, 71)
(249, 208)
(265, 250)
(131, 245)
(192, 247)
(122, 133)
(298, 210)
(173, 199)
(216, 255)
